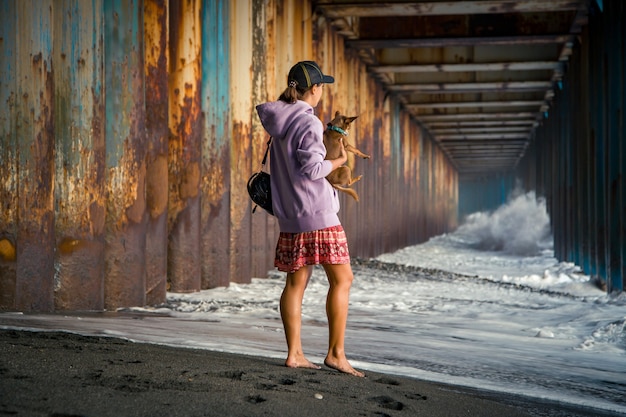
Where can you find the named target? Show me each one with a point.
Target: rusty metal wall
(130, 133)
(577, 158)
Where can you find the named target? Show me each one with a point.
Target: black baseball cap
(308, 73)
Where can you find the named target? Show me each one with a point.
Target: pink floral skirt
(326, 246)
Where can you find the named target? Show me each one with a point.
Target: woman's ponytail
(291, 93)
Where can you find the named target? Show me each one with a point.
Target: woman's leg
(340, 280)
(291, 313)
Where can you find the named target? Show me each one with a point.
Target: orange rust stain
(69, 245)
(213, 181)
(156, 191)
(137, 209)
(240, 172)
(7, 250)
(97, 213)
(189, 186)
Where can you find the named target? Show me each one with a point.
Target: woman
(306, 208)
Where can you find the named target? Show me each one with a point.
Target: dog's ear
(337, 114)
(350, 119)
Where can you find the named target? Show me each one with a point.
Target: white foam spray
(519, 227)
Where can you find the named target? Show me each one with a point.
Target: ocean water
(487, 306)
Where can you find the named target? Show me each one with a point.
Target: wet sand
(59, 374)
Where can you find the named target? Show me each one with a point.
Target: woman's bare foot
(300, 362)
(343, 366)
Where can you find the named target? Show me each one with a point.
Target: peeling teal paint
(122, 34)
(216, 143)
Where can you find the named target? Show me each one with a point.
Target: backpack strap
(269, 141)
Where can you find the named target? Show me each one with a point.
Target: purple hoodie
(302, 199)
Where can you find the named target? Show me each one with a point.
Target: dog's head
(341, 121)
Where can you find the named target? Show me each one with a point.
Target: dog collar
(337, 129)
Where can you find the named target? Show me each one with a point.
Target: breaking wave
(519, 227)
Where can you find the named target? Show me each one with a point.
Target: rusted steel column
(125, 274)
(578, 75)
(274, 63)
(215, 186)
(185, 124)
(8, 154)
(597, 109)
(422, 187)
(259, 74)
(377, 138)
(157, 135)
(368, 136)
(620, 71)
(34, 126)
(615, 73)
(241, 147)
(564, 154)
(79, 155)
(568, 194)
(586, 198)
(430, 186)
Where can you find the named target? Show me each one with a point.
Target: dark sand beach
(59, 374)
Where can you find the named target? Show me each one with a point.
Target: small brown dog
(341, 178)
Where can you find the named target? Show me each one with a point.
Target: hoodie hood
(277, 116)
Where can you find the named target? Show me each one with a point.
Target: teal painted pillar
(215, 144)
(125, 227)
(80, 201)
